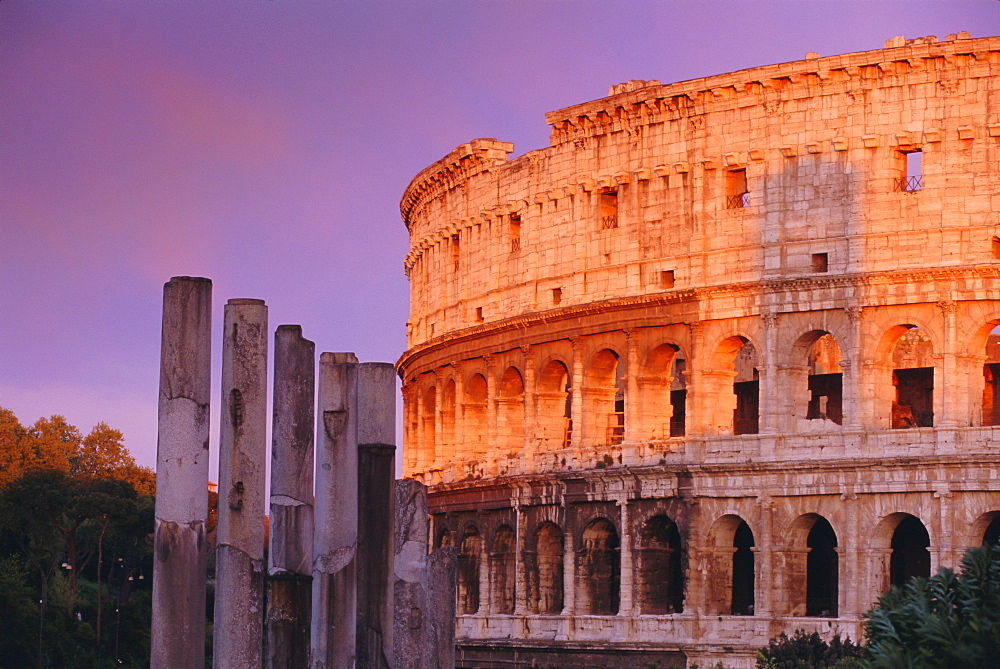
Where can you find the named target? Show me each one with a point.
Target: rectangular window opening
(515, 233)
(820, 262)
(608, 209)
(667, 279)
(479, 314)
(912, 176)
(737, 193)
(456, 251)
(556, 295)
(995, 245)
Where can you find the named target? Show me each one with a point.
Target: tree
(947, 620)
(15, 447)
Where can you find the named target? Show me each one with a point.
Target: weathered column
(626, 563)
(493, 454)
(576, 400)
(851, 402)
(376, 495)
(442, 580)
(411, 619)
(775, 402)
(424, 588)
(531, 430)
(634, 424)
(334, 591)
(239, 557)
(948, 411)
(289, 586)
(178, 618)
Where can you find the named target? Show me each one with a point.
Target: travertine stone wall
(719, 361)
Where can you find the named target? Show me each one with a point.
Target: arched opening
(746, 387)
(910, 557)
(678, 397)
(598, 575)
(661, 576)
(913, 379)
(428, 446)
(510, 412)
(991, 378)
(502, 570)
(554, 397)
(443, 538)
(743, 571)
(826, 381)
(992, 534)
(604, 399)
(446, 446)
(475, 417)
(468, 571)
(546, 577)
(822, 570)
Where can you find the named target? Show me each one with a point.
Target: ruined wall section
(821, 144)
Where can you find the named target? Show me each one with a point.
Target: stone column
(698, 359)
(851, 402)
(376, 472)
(335, 539)
(411, 623)
(576, 401)
(626, 563)
(775, 401)
(950, 384)
(178, 618)
(520, 577)
(493, 452)
(424, 588)
(442, 579)
(239, 557)
(634, 423)
(530, 411)
(289, 591)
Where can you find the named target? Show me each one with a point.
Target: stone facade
(715, 364)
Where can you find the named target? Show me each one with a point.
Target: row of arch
(605, 399)
(487, 573)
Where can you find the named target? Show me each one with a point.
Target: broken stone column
(239, 557)
(289, 585)
(178, 616)
(376, 495)
(442, 581)
(334, 587)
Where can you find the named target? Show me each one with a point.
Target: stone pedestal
(178, 615)
(239, 577)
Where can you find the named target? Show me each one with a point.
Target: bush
(809, 651)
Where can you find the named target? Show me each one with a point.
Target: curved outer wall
(703, 314)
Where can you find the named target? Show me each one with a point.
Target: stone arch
(812, 567)
(813, 383)
(989, 409)
(733, 388)
(510, 412)
(662, 392)
(598, 569)
(660, 574)
(905, 375)
(469, 553)
(475, 416)
(502, 562)
(732, 567)
(604, 399)
(545, 570)
(985, 529)
(554, 395)
(908, 543)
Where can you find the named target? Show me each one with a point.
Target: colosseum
(717, 363)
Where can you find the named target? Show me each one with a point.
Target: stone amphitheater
(715, 364)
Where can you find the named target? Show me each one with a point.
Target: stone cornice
(768, 84)
(694, 296)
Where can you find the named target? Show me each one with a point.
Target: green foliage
(947, 620)
(74, 551)
(809, 651)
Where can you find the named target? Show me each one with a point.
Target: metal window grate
(609, 222)
(738, 201)
(909, 184)
(515, 244)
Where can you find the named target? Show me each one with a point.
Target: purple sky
(266, 145)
